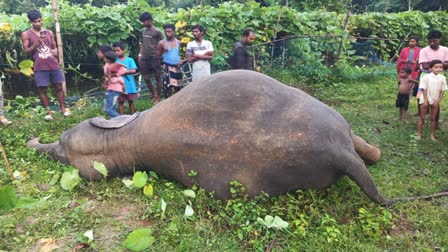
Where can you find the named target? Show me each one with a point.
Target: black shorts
(402, 101)
(150, 66)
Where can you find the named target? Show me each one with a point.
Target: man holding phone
(40, 43)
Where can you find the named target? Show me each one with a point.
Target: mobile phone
(43, 33)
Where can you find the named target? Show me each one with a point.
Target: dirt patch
(307, 89)
(125, 219)
(402, 228)
(48, 244)
(332, 102)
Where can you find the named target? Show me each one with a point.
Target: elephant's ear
(114, 123)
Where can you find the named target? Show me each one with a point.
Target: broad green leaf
(267, 221)
(70, 179)
(273, 222)
(26, 64)
(27, 202)
(17, 175)
(20, 100)
(139, 240)
(127, 182)
(140, 179)
(8, 198)
(54, 179)
(89, 235)
(148, 190)
(91, 39)
(189, 193)
(188, 211)
(154, 174)
(27, 71)
(162, 205)
(100, 167)
(279, 223)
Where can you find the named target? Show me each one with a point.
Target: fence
(310, 53)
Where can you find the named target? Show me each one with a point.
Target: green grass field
(339, 218)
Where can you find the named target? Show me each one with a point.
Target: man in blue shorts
(40, 43)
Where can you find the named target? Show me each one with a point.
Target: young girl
(433, 86)
(3, 119)
(114, 83)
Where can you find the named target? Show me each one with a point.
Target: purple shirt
(43, 58)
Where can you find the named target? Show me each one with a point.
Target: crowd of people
(159, 58)
(420, 73)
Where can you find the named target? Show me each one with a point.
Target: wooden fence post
(59, 40)
(276, 31)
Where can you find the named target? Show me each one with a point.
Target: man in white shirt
(199, 52)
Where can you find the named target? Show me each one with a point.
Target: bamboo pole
(59, 40)
(344, 29)
(2, 150)
(276, 31)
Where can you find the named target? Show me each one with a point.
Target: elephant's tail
(369, 153)
(54, 150)
(356, 169)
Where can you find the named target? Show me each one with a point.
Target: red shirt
(403, 59)
(43, 58)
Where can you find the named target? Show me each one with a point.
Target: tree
(398, 5)
(20, 6)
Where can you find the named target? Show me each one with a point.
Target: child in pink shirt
(114, 83)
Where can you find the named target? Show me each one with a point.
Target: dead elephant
(235, 125)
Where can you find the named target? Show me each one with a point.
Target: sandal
(5, 121)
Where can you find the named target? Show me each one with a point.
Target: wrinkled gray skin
(235, 125)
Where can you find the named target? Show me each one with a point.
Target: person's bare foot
(433, 138)
(419, 137)
(407, 121)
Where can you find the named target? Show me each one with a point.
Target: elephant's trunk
(54, 150)
(369, 153)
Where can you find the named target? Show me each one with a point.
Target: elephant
(235, 125)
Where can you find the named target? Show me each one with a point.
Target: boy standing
(129, 81)
(433, 86)
(405, 86)
(40, 43)
(199, 52)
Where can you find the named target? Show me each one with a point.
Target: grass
(339, 218)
